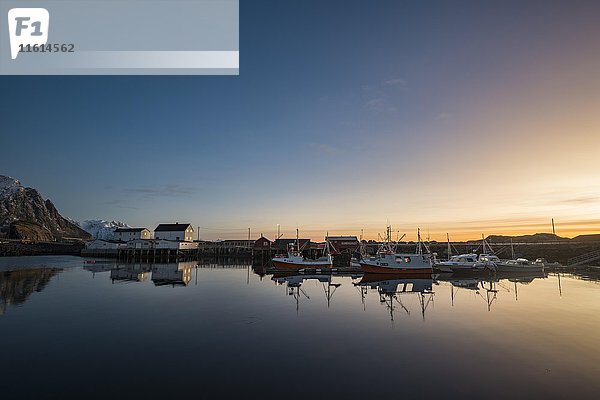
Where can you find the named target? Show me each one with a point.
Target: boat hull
(519, 268)
(300, 265)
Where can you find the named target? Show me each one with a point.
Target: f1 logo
(27, 26)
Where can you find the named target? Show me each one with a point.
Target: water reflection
(485, 285)
(516, 328)
(130, 273)
(294, 283)
(179, 274)
(17, 286)
(392, 288)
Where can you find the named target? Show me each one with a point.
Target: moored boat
(464, 262)
(546, 264)
(470, 262)
(518, 265)
(387, 261)
(294, 260)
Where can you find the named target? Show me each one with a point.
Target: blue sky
(345, 114)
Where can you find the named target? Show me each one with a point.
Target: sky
(465, 118)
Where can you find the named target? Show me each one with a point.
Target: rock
(21, 204)
(29, 231)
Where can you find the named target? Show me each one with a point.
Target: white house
(127, 234)
(176, 231)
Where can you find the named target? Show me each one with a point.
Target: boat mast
(482, 244)
(419, 250)
(512, 249)
(297, 241)
(449, 249)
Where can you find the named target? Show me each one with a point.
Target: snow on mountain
(9, 186)
(101, 229)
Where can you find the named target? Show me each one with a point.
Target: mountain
(587, 238)
(101, 229)
(535, 238)
(20, 204)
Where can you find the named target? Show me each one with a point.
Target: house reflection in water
(96, 268)
(391, 289)
(130, 272)
(17, 286)
(174, 274)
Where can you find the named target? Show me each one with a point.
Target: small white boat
(543, 262)
(518, 265)
(469, 262)
(294, 259)
(466, 262)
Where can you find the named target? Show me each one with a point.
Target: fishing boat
(388, 261)
(295, 260)
(356, 257)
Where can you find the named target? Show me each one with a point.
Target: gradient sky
(460, 117)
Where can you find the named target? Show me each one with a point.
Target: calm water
(70, 329)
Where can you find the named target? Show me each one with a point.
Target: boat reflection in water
(392, 287)
(294, 283)
(487, 283)
(174, 274)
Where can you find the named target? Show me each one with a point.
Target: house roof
(129, 229)
(280, 242)
(341, 238)
(171, 227)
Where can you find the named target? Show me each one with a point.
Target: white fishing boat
(362, 253)
(295, 260)
(388, 261)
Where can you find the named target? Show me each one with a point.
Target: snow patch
(101, 229)
(9, 186)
